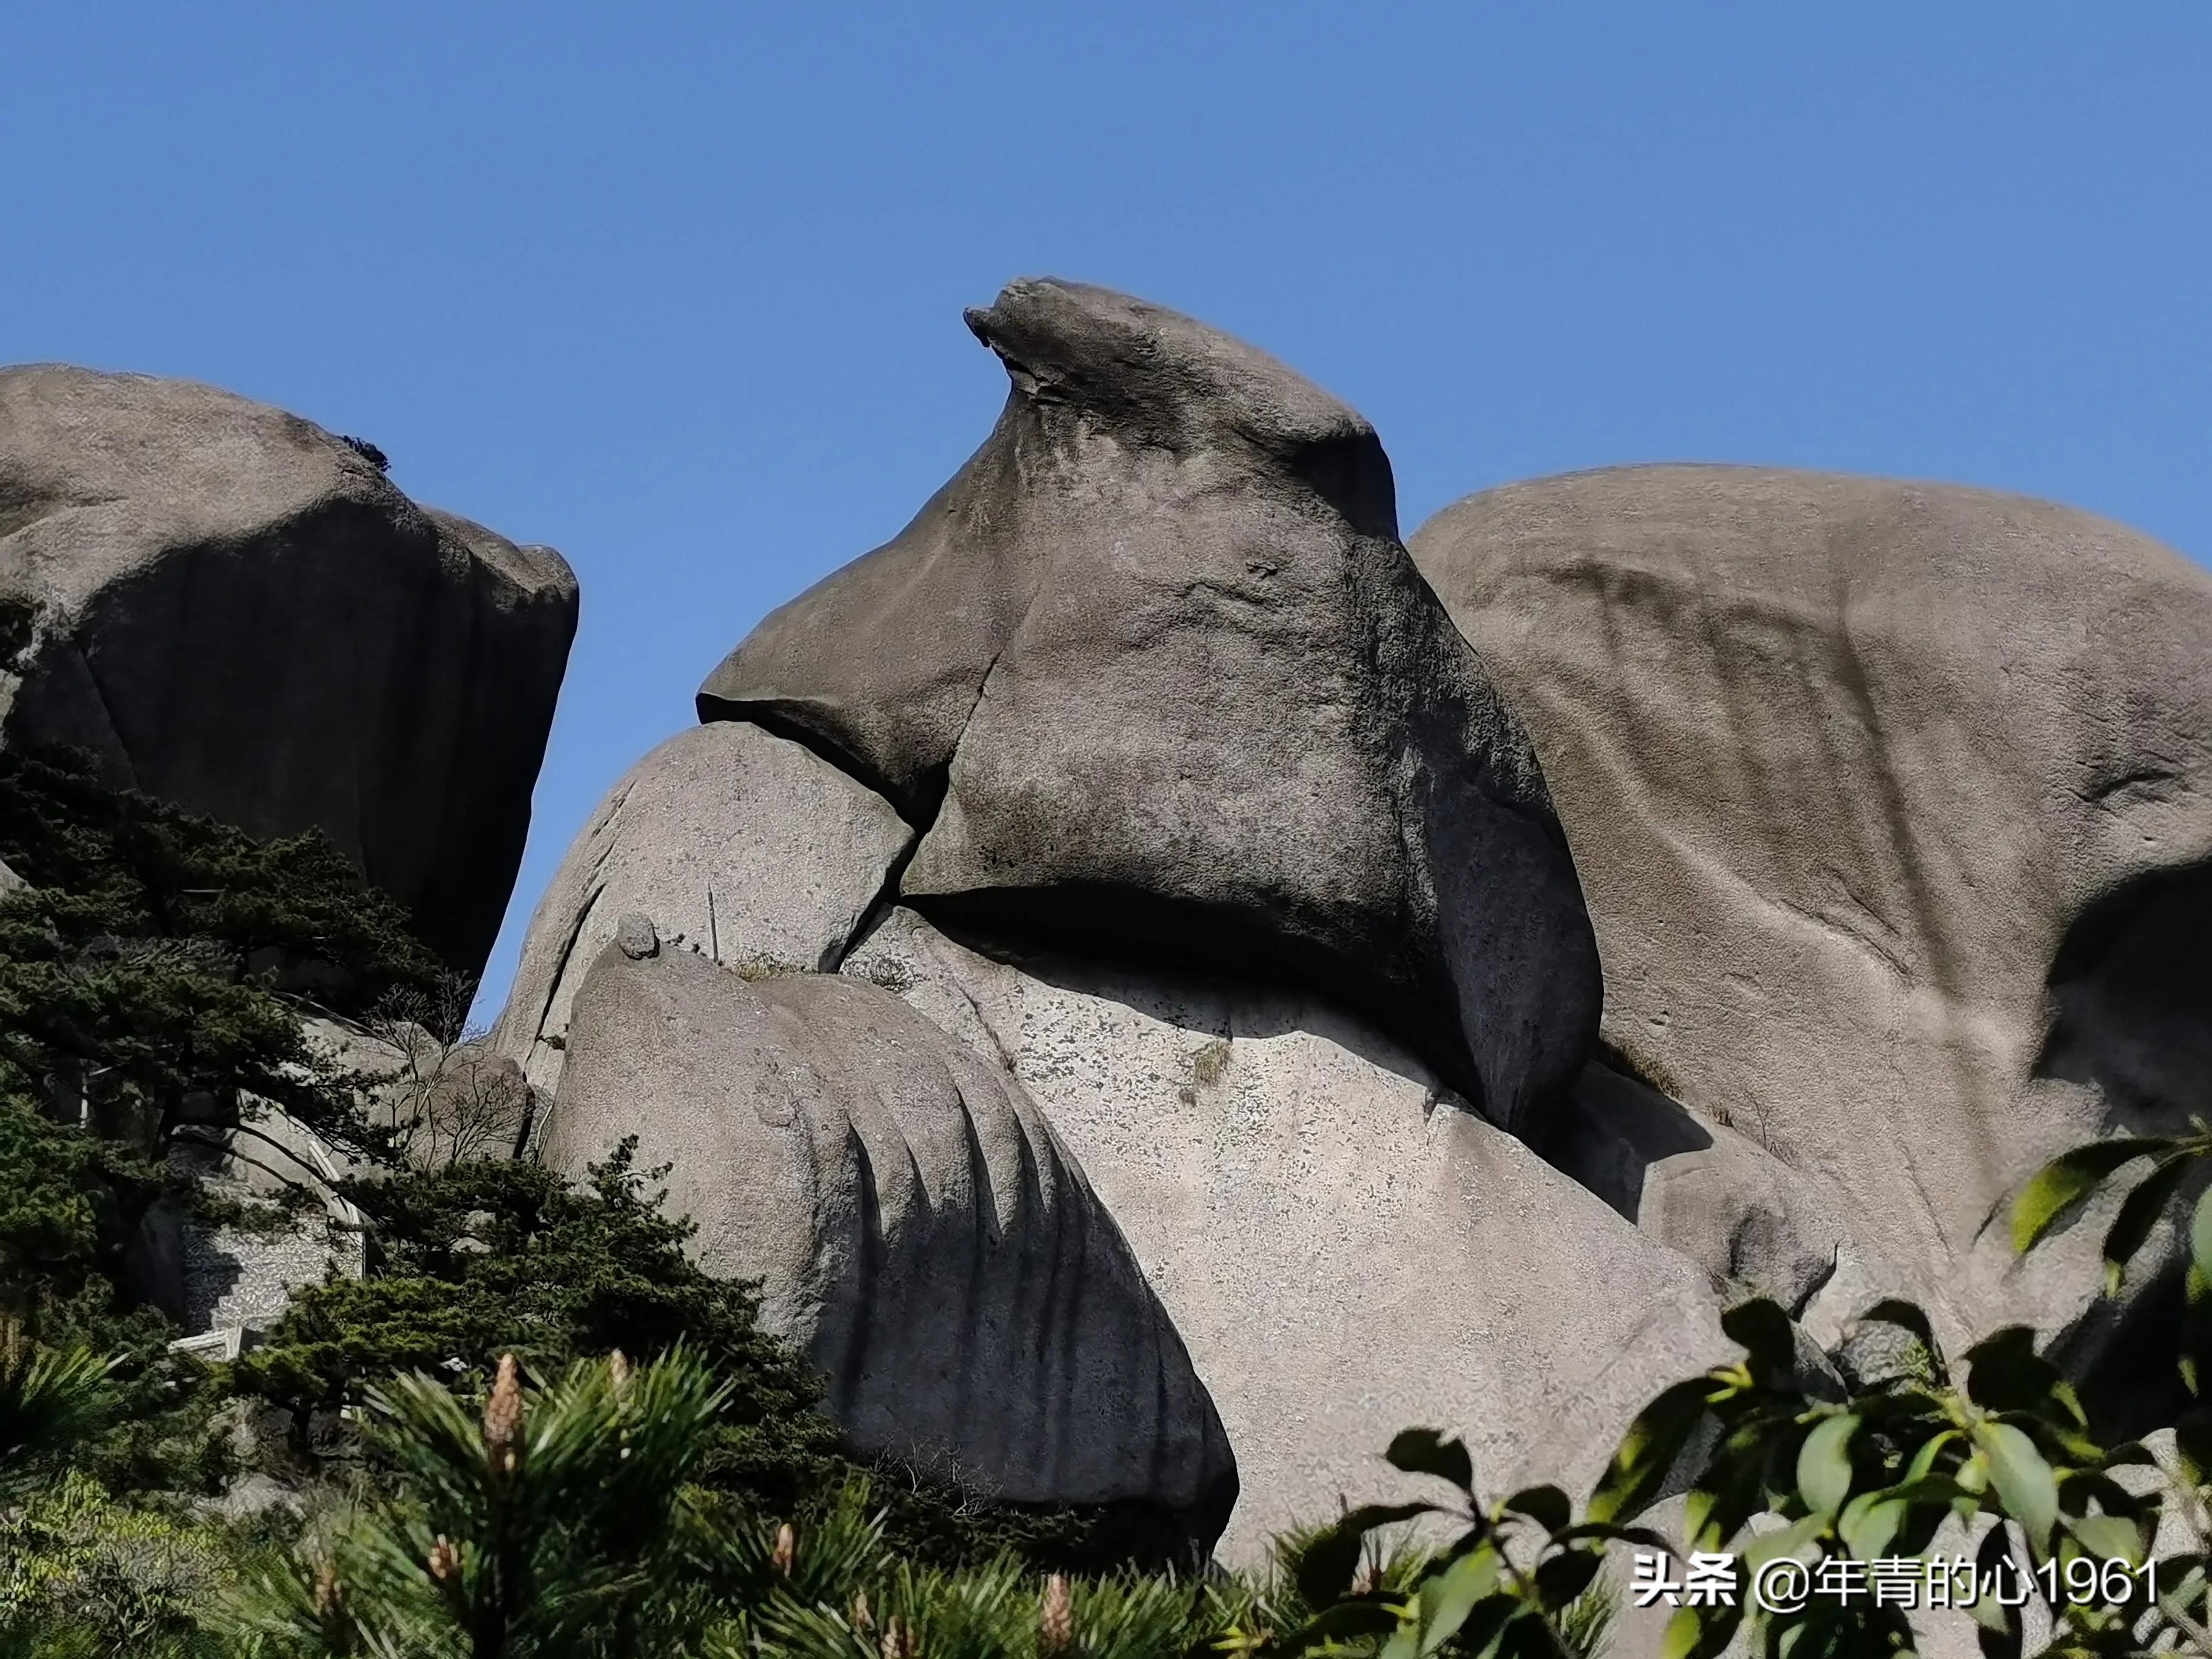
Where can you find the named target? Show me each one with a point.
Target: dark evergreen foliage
(150, 976)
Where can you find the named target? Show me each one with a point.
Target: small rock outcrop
(1892, 803)
(919, 1229)
(237, 611)
(735, 843)
(1153, 674)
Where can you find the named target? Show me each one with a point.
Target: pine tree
(153, 974)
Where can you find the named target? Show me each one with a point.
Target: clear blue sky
(677, 288)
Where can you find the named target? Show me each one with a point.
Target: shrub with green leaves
(145, 974)
(83, 1575)
(50, 1401)
(1799, 1463)
(1518, 1580)
(2055, 1196)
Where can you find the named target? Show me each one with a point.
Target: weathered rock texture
(917, 1225)
(1892, 803)
(792, 851)
(1754, 1224)
(239, 612)
(1155, 675)
(1345, 1249)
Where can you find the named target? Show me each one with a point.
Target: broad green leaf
(1868, 1522)
(2066, 1180)
(1924, 1461)
(1773, 1546)
(1426, 1451)
(1547, 1506)
(1647, 1450)
(2139, 1214)
(1701, 1632)
(1698, 1519)
(1824, 1463)
(2023, 1481)
(1937, 1489)
(1732, 1496)
(1685, 1635)
(2109, 1537)
(1449, 1597)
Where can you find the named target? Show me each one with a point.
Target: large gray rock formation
(1154, 674)
(1893, 807)
(918, 1227)
(1347, 1249)
(237, 611)
(737, 844)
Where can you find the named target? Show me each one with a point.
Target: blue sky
(677, 289)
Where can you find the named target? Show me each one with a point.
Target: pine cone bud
(445, 1560)
(327, 1593)
(1056, 1616)
(864, 1621)
(618, 1370)
(786, 1550)
(503, 1418)
(897, 1644)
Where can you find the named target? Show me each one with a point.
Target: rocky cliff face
(1892, 803)
(1120, 962)
(1144, 768)
(919, 1227)
(237, 611)
(1346, 1249)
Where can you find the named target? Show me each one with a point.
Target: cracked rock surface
(1892, 803)
(237, 611)
(1155, 676)
(921, 1230)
